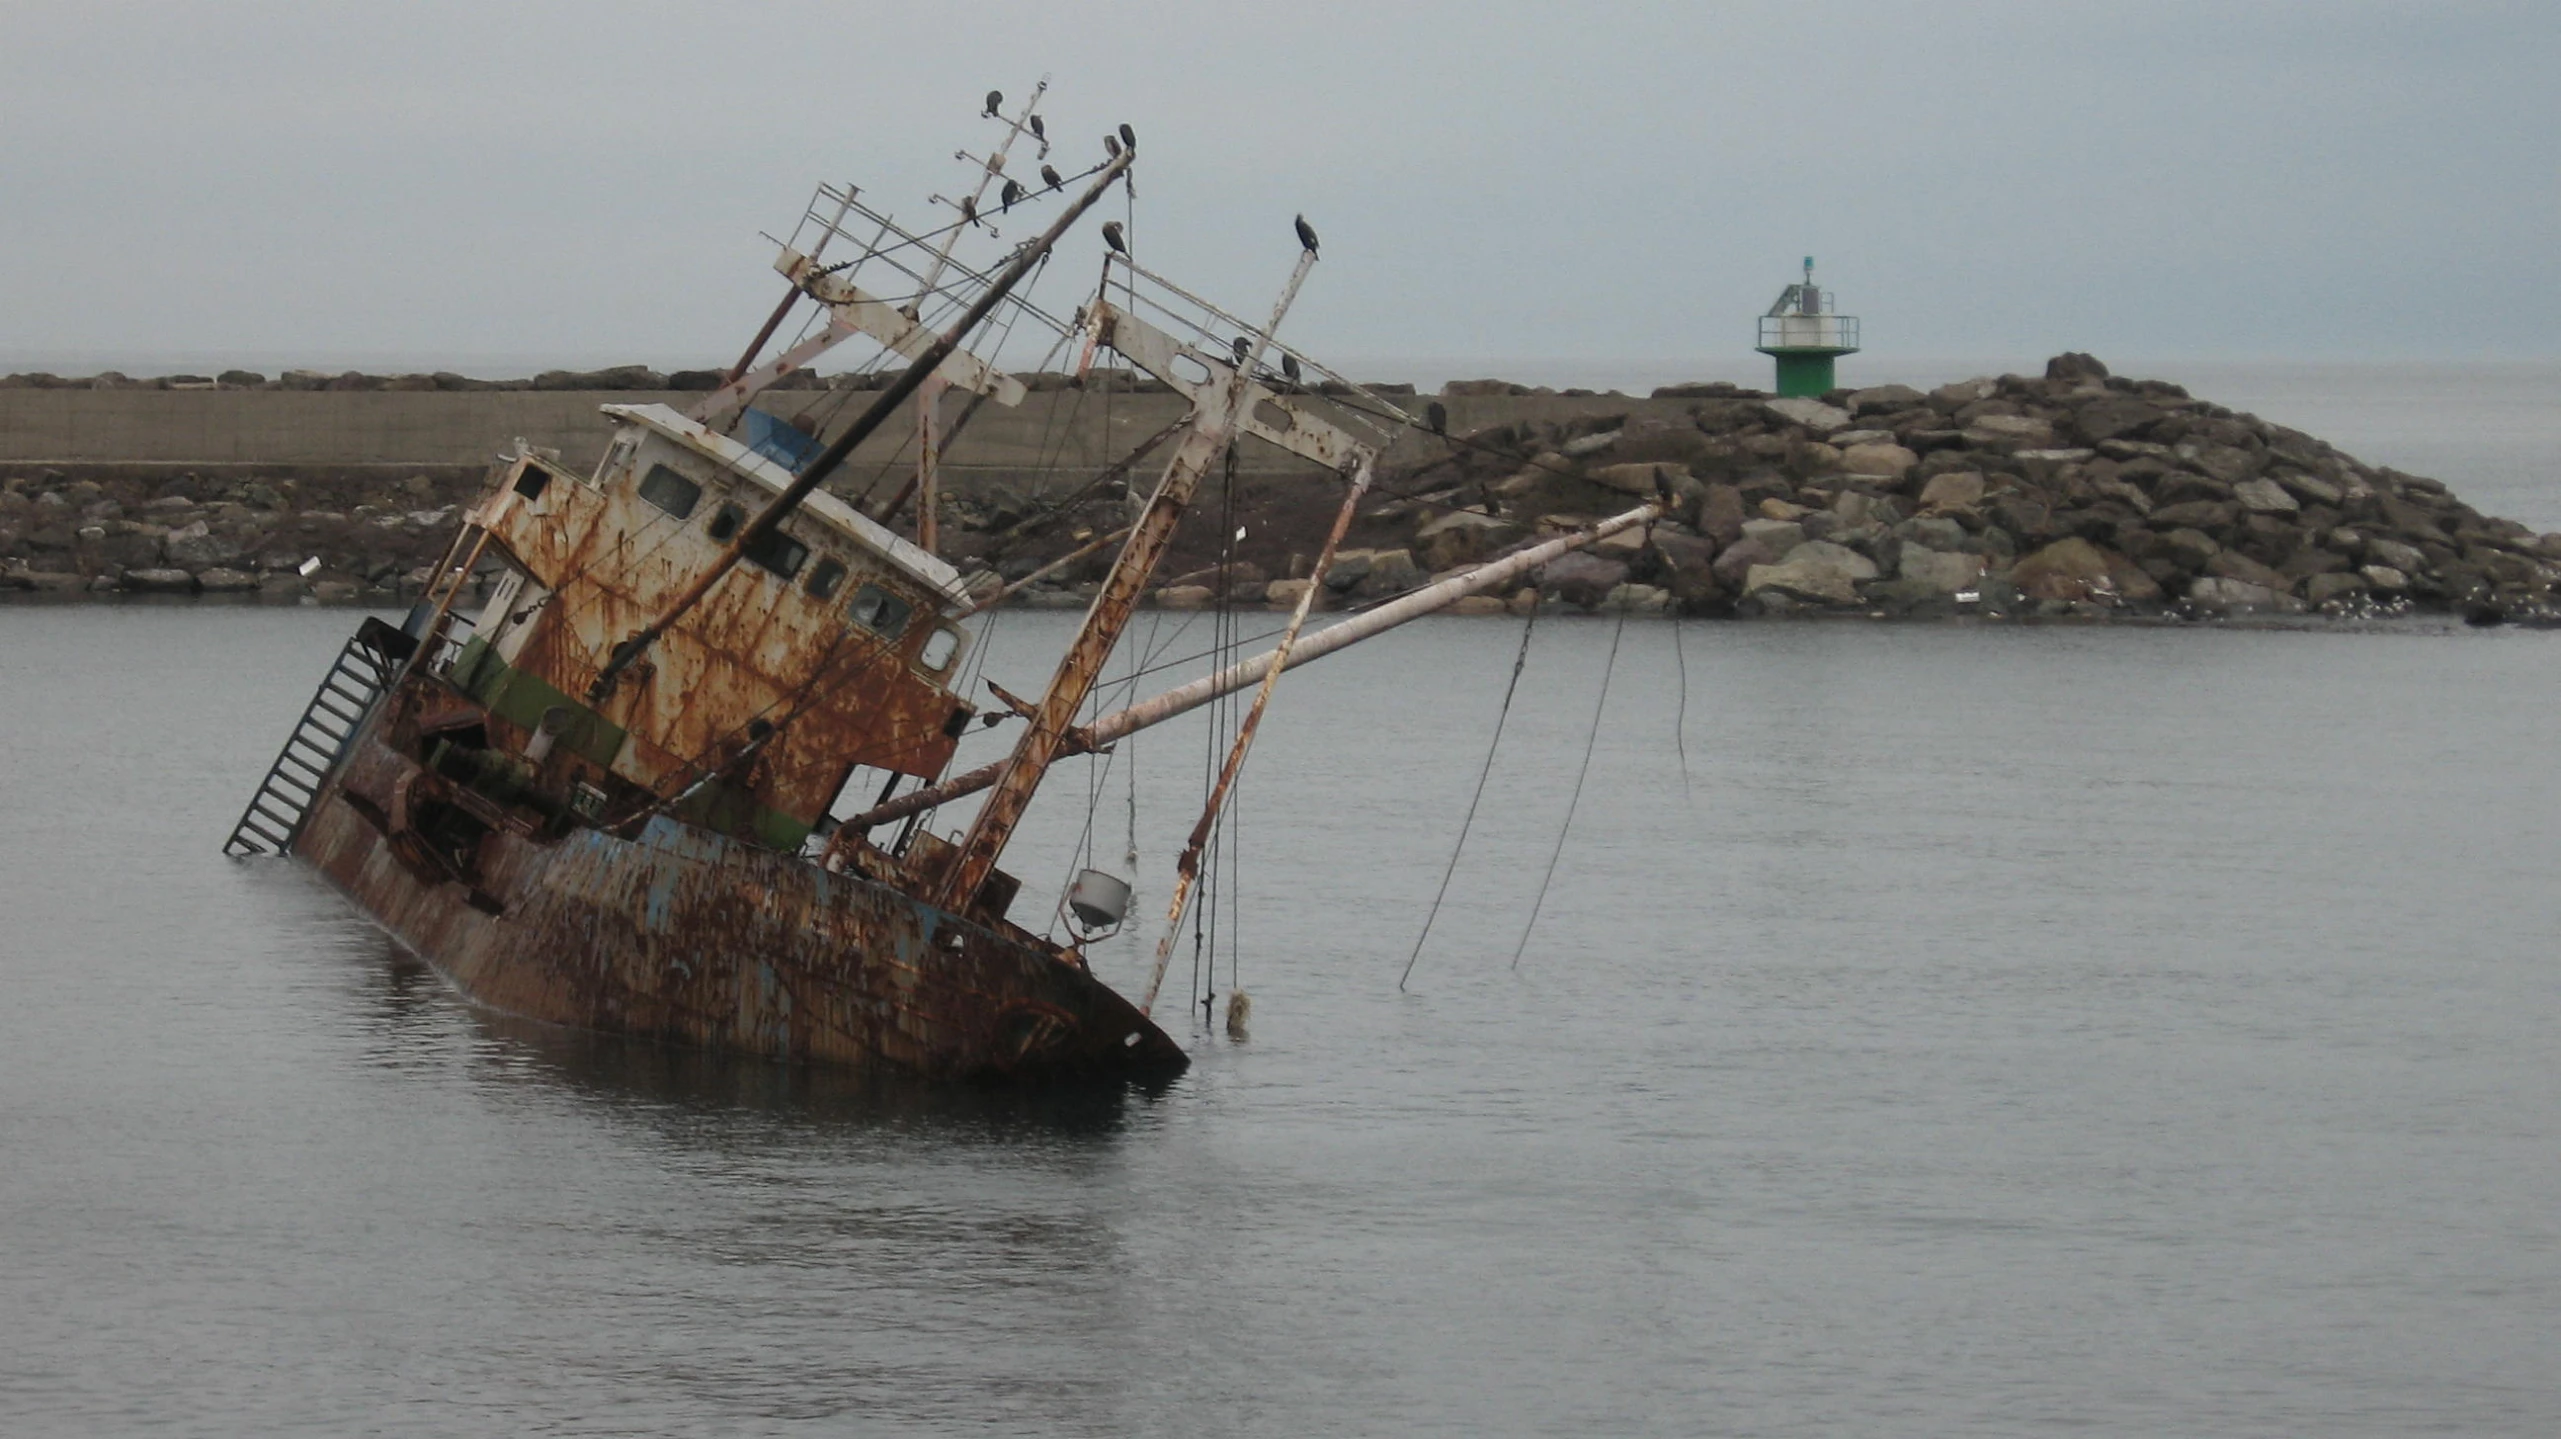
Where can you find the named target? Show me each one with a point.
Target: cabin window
(531, 479)
(670, 491)
(824, 577)
(881, 612)
(940, 646)
(779, 553)
(725, 522)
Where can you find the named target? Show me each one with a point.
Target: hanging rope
(1504, 715)
(1681, 710)
(1590, 742)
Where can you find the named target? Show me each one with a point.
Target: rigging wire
(1519, 660)
(1590, 742)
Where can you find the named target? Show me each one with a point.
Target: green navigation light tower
(1804, 336)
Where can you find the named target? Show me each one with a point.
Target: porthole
(824, 577)
(725, 522)
(778, 552)
(879, 611)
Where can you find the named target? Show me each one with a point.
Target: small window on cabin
(940, 646)
(725, 522)
(779, 553)
(879, 611)
(824, 577)
(670, 491)
(531, 480)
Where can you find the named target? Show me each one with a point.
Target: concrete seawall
(1055, 436)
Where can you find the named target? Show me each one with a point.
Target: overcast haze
(572, 184)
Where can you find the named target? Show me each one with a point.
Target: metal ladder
(358, 677)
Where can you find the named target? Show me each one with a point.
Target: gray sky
(580, 183)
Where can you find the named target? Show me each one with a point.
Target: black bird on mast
(1306, 235)
(994, 99)
(1049, 176)
(1111, 146)
(1039, 131)
(1013, 191)
(969, 209)
(1111, 237)
(1129, 137)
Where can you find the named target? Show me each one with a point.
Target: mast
(1215, 407)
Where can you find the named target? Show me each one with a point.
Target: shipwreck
(607, 796)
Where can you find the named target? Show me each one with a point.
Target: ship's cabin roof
(820, 508)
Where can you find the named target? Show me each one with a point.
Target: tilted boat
(605, 799)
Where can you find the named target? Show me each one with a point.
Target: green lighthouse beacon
(1804, 336)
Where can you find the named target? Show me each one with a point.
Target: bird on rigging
(1437, 416)
(994, 99)
(1289, 366)
(1049, 176)
(1242, 349)
(1111, 237)
(1111, 146)
(969, 209)
(1039, 131)
(1306, 235)
(1013, 191)
(1129, 137)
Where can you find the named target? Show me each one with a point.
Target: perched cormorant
(1039, 131)
(1111, 237)
(1242, 349)
(1437, 416)
(994, 99)
(1111, 146)
(1289, 366)
(969, 209)
(1306, 235)
(1049, 176)
(1013, 191)
(1129, 137)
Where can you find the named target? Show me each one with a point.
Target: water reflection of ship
(606, 800)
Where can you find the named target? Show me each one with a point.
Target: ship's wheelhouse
(832, 645)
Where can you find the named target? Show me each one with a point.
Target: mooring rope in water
(1519, 660)
(1681, 710)
(1590, 742)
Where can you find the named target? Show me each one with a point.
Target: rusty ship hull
(685, 935)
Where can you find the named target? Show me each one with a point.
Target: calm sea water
(2000, 1030)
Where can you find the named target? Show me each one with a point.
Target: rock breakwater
(2072, 494)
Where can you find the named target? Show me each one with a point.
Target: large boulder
(2112, 418)
(1463, 537)
(1814, 415)
(1780, 535)
(2068, 569)
(1684, 565)
(160, 581)
(1736, 561)
(2265, 497)
(2230, 596)
(2009, 431)
(2234, 565)
(1952, 491)
(1582, 579)
(1939, 571)
(1881, 459)
(1817, 571)
(198, 547)
(1721, 515)
(1885, 399)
